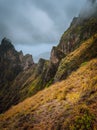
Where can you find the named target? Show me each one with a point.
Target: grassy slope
(73, 60)
(70, 104)
(26, 84)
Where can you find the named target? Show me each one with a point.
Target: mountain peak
(6, 44)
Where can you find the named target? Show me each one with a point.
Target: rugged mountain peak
(6, 44)
(8, 52)
(12, 62)
(26, 60)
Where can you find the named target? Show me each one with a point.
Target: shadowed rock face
(40, 66)
(11, 64)
(55, 58)
(9, 61)
(27, 61)
(56, 55)
(8, 52)
(80, 30)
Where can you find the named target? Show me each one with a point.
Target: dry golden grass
(52, 105)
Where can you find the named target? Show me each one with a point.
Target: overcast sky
(34, 26)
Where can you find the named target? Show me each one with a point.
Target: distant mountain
(68, 82)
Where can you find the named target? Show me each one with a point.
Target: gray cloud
(35, 22)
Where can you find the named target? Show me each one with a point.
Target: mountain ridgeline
(12, 63)
(68, 104)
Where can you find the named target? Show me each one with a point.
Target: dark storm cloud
(36, 21)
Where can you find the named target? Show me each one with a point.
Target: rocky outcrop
(56, 55)
(80, 30)
(26, 61)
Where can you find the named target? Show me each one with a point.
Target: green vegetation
(84, 121)
(84, 63)
(49, 83)
(61, 103)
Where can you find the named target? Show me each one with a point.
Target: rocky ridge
(12, 63)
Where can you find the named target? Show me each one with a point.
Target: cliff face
(26, 61)
(8, 52)
(12, 63)
(80, 30)
(9, 59)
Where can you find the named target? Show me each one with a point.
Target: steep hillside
(70, 105)
(12, 63)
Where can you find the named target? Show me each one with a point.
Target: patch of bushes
(84, 121)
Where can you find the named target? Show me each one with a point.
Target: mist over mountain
(89, 9)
